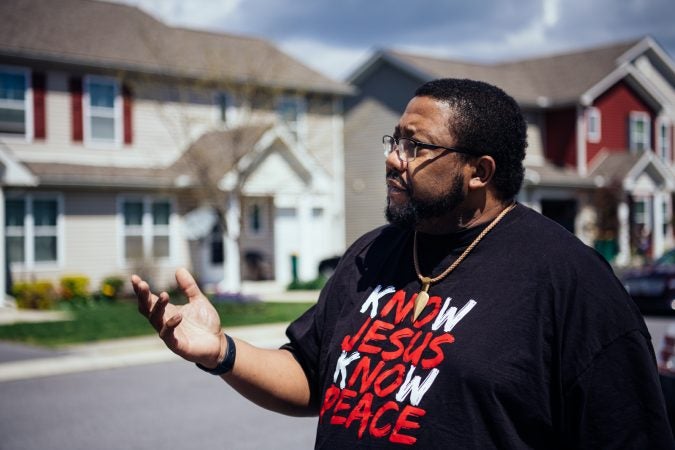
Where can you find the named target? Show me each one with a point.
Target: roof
(78, 175)
(116, 36)
(543, 81)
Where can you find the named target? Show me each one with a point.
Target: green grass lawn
(102, 321)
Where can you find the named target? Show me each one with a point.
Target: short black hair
(486, 119)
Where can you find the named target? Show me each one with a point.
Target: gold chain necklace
(423, 295)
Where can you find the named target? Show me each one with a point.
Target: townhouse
(127, 145)
(600, 132)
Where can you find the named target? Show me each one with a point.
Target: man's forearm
(270, 378)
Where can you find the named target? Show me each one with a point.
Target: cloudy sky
(334, 36)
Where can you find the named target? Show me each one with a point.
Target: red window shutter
(39, 111)
(76, 108)
(127, 111)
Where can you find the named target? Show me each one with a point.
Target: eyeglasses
(406, 149)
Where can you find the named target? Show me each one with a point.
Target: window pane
(45, 248)
(12, 121)
(15, 249)
(15, 210)
(133, 247)
(44, 212)
(12, 86)
(133, 213)
(160, 246)
(288, 110)
(103, 128)
(102, 95)
(161, 211)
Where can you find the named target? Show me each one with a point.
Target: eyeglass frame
(418, 144)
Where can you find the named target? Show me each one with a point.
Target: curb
(125, 353)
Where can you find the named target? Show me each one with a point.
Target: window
(290, 111)
(147, 228)
(663, 142)
(593, 125)
(102, 111)
(14, 102)
(32, 230)
(639, 131)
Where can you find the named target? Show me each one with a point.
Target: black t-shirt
(531, 342)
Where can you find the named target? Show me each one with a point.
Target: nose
(393, 161)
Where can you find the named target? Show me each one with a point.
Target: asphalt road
(159, 406)
(169, 405)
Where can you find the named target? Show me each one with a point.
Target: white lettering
(341, 367)
(451, 317)
(413, 387)
(374, 298)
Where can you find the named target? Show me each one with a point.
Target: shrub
(311, 285)
(111, 287)
(74, 287)
(34, 295)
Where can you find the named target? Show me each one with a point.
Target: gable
(277, 173)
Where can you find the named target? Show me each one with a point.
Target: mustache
(395, 176)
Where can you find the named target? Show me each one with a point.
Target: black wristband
(227, 363)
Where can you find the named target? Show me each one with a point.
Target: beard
(410, 214)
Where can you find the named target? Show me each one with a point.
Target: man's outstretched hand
(192, 331)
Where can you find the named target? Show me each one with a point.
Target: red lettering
(395, 339)
(361, 412)
(402, 423)
(341, 406)
(403, 308)
(332, 394)
(367, 377)
(413, 354)
(382, 391)
(349, 342)
(425, 319)
(373, 335)
(380, 432)
(435, 346)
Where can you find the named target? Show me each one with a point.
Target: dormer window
(639, 131)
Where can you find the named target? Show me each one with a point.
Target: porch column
(232, 263)
(657, 227)
(623, 257)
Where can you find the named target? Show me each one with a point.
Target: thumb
(187, 283)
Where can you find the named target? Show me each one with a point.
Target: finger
(187, 284)
(156, 315)
(135, 281)
(166, 333)
(145, 298)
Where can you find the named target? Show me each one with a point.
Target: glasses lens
(388, 144)
(406, 149)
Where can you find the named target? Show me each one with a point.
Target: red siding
(615, 106)
(76, 109)
(39, 113)
(128, 119)
(561, 142)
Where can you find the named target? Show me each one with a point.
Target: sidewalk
(121, 353)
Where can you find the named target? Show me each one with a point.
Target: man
(470, 322)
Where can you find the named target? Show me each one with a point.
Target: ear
(483, 171)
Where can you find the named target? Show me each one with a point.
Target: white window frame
(664, 146)
(30, 231)
(593, 117)
(90, 113)
(634, 141)
(147, 230)
(27, 104)
(298, 127)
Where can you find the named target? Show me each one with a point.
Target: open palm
(192, 331)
